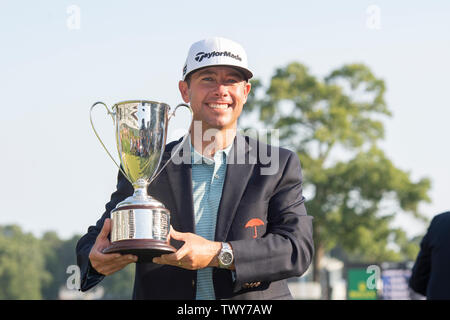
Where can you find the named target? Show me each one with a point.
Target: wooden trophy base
(144, 249)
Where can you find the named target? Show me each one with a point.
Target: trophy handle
(181, 143)
(112, 114)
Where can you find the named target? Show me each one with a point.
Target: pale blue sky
(57, 177)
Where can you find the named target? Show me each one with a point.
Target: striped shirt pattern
(208, 176)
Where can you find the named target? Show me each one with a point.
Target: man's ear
(247, 89)
(184, 90)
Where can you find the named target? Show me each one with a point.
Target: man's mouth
(218, 105)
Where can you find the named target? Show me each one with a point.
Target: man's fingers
(111, 259)
(117, 264)
(177, 235)
(172, 258)
(105, 230)
(108, 258)
(124, 258)
(180, 253)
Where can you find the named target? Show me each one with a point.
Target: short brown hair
(188, 76)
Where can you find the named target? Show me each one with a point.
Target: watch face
(226, 258)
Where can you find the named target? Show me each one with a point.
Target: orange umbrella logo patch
(255, 222)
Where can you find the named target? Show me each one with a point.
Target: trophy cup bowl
(140, 223)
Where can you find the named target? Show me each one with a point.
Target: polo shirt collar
(219, 155)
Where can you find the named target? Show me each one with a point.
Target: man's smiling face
(216, 96)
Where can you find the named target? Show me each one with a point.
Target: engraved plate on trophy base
(140, 230)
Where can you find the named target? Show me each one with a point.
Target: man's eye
(233, 81)
(207, 79)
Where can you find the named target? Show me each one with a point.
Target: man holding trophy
(204, 217)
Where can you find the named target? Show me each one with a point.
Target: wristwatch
(226, 257)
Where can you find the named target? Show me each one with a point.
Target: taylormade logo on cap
(216, 52)
(201, 55)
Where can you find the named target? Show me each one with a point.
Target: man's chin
(219, 126)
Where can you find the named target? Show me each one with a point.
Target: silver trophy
(140, 223)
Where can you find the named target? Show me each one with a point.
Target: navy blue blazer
(431, 272)
(278, 247)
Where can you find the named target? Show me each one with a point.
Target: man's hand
(196, 253)
(107, 264)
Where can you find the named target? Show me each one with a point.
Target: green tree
(120, 284)
(334, 125)
(51, 243)
(60, 254)
(22, 265)
(33, 268)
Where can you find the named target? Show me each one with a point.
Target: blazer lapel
(180, 181)
(236, 179)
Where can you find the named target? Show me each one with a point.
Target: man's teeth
(218, 106)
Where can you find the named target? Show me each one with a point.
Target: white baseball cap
(216, 52)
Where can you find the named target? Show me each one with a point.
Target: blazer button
(248, 285)
(193, 283)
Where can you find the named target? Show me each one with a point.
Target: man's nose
(221, 90)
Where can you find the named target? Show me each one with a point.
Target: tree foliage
(334, 125)
(22, 266)
(33, 268)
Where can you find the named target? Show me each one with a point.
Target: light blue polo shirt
(208, 176)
